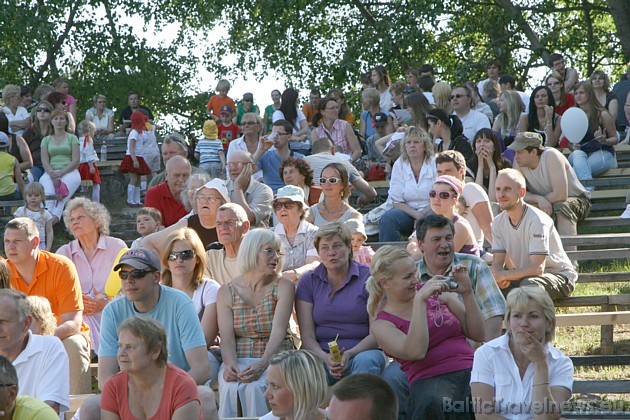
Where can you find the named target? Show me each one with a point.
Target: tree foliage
(99, 43)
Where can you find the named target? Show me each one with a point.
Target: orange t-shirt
(57, 280)
(216, 103)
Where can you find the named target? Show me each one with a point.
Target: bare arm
(572, 78)
(107, 367)
(197, 359)
(411, 211)
(307, 328)
(25, 154)
(368, 193)
(226, 329)
(108, 415)
(484, 395)
(522, 123)
(613, 108)
(353, 141)
(70, 324)
(74, 164)
(535, 267)
(188, 411)
(361, 127)
(50, 234)
(483, 214)
(210, 324)
(157, 241)
(46, 160)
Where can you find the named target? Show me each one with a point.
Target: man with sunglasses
(42, 273)
(255, 197)
(144, 297)
(463, 103)
(269, 159)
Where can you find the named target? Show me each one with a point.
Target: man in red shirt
(166, 197)
(41, 273)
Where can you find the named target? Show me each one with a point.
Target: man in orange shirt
(42, 273)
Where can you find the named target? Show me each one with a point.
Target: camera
(451, 283)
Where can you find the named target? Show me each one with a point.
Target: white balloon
(574, 124)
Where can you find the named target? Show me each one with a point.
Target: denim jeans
(588, 166)
(368, 361)
(394, 223)
(427, 396)
(397, 379)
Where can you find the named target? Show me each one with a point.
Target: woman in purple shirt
(424, 327)
(331, 301)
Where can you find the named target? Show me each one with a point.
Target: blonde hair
(85, 127)
(190, 236)
(223, 85)
(372, 96)
(151, 332)
(520, 297)
(508, 120)
(5, 274)
(305, 377)
(383, 266)
(514, 175)
(331, 230)
(442, 95)
(253, 241)
(35, 188)
(41, 311)
(419, 133)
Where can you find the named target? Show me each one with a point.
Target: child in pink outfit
(361, 253)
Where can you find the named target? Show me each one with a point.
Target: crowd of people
(259, 251)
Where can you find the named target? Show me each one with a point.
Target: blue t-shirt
(369, 123)
(270, 163)
(174, 310)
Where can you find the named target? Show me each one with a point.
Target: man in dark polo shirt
(166, 197)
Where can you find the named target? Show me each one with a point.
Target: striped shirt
(208, 150)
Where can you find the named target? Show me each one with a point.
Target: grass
(584, 341)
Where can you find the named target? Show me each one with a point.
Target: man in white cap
(144, 297)
(255, 197)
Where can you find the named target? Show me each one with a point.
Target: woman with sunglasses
(93, 252)
(448, 128)
(412, 177)
(331, 307)
(562, 99)
(183, 263)
(444, 201)
(58, 101)
(328, 125)
(253, 311)
(296, 233)
(542, 118)
(334, 206)
(33, 135)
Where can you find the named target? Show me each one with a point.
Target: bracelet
(542, 383)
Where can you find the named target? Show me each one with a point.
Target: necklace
(337, 210)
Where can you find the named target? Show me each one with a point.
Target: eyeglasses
(228, 224)
(236, 164)
(46, 110)
(208, 198)
(286, 204)
(183, 255)
(444, 195)
(248, 123)
(457, 96)
(270, 252)
(331, 180)
(135, 274)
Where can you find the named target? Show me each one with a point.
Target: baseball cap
(139, 258)
(4, 140)
(248, 96)
(380, 119)
(526, 139)
(218, 185)
(226, 109)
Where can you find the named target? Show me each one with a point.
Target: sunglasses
(249, 123)
(444, 195)
(286, 204)
(457, 96)
(135, 274)
(46, 110)
(331, 180)
(183, 255)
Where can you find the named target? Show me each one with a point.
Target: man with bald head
(255, 197)
(232, 225)
(173, 144)
(166, 197)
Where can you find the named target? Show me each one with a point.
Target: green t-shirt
(60, 155)
(30, 408)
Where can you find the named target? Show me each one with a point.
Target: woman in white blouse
(411, 180)
(102, 117)
(522, 369)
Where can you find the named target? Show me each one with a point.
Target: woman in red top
(563, 100)
(147, 386)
